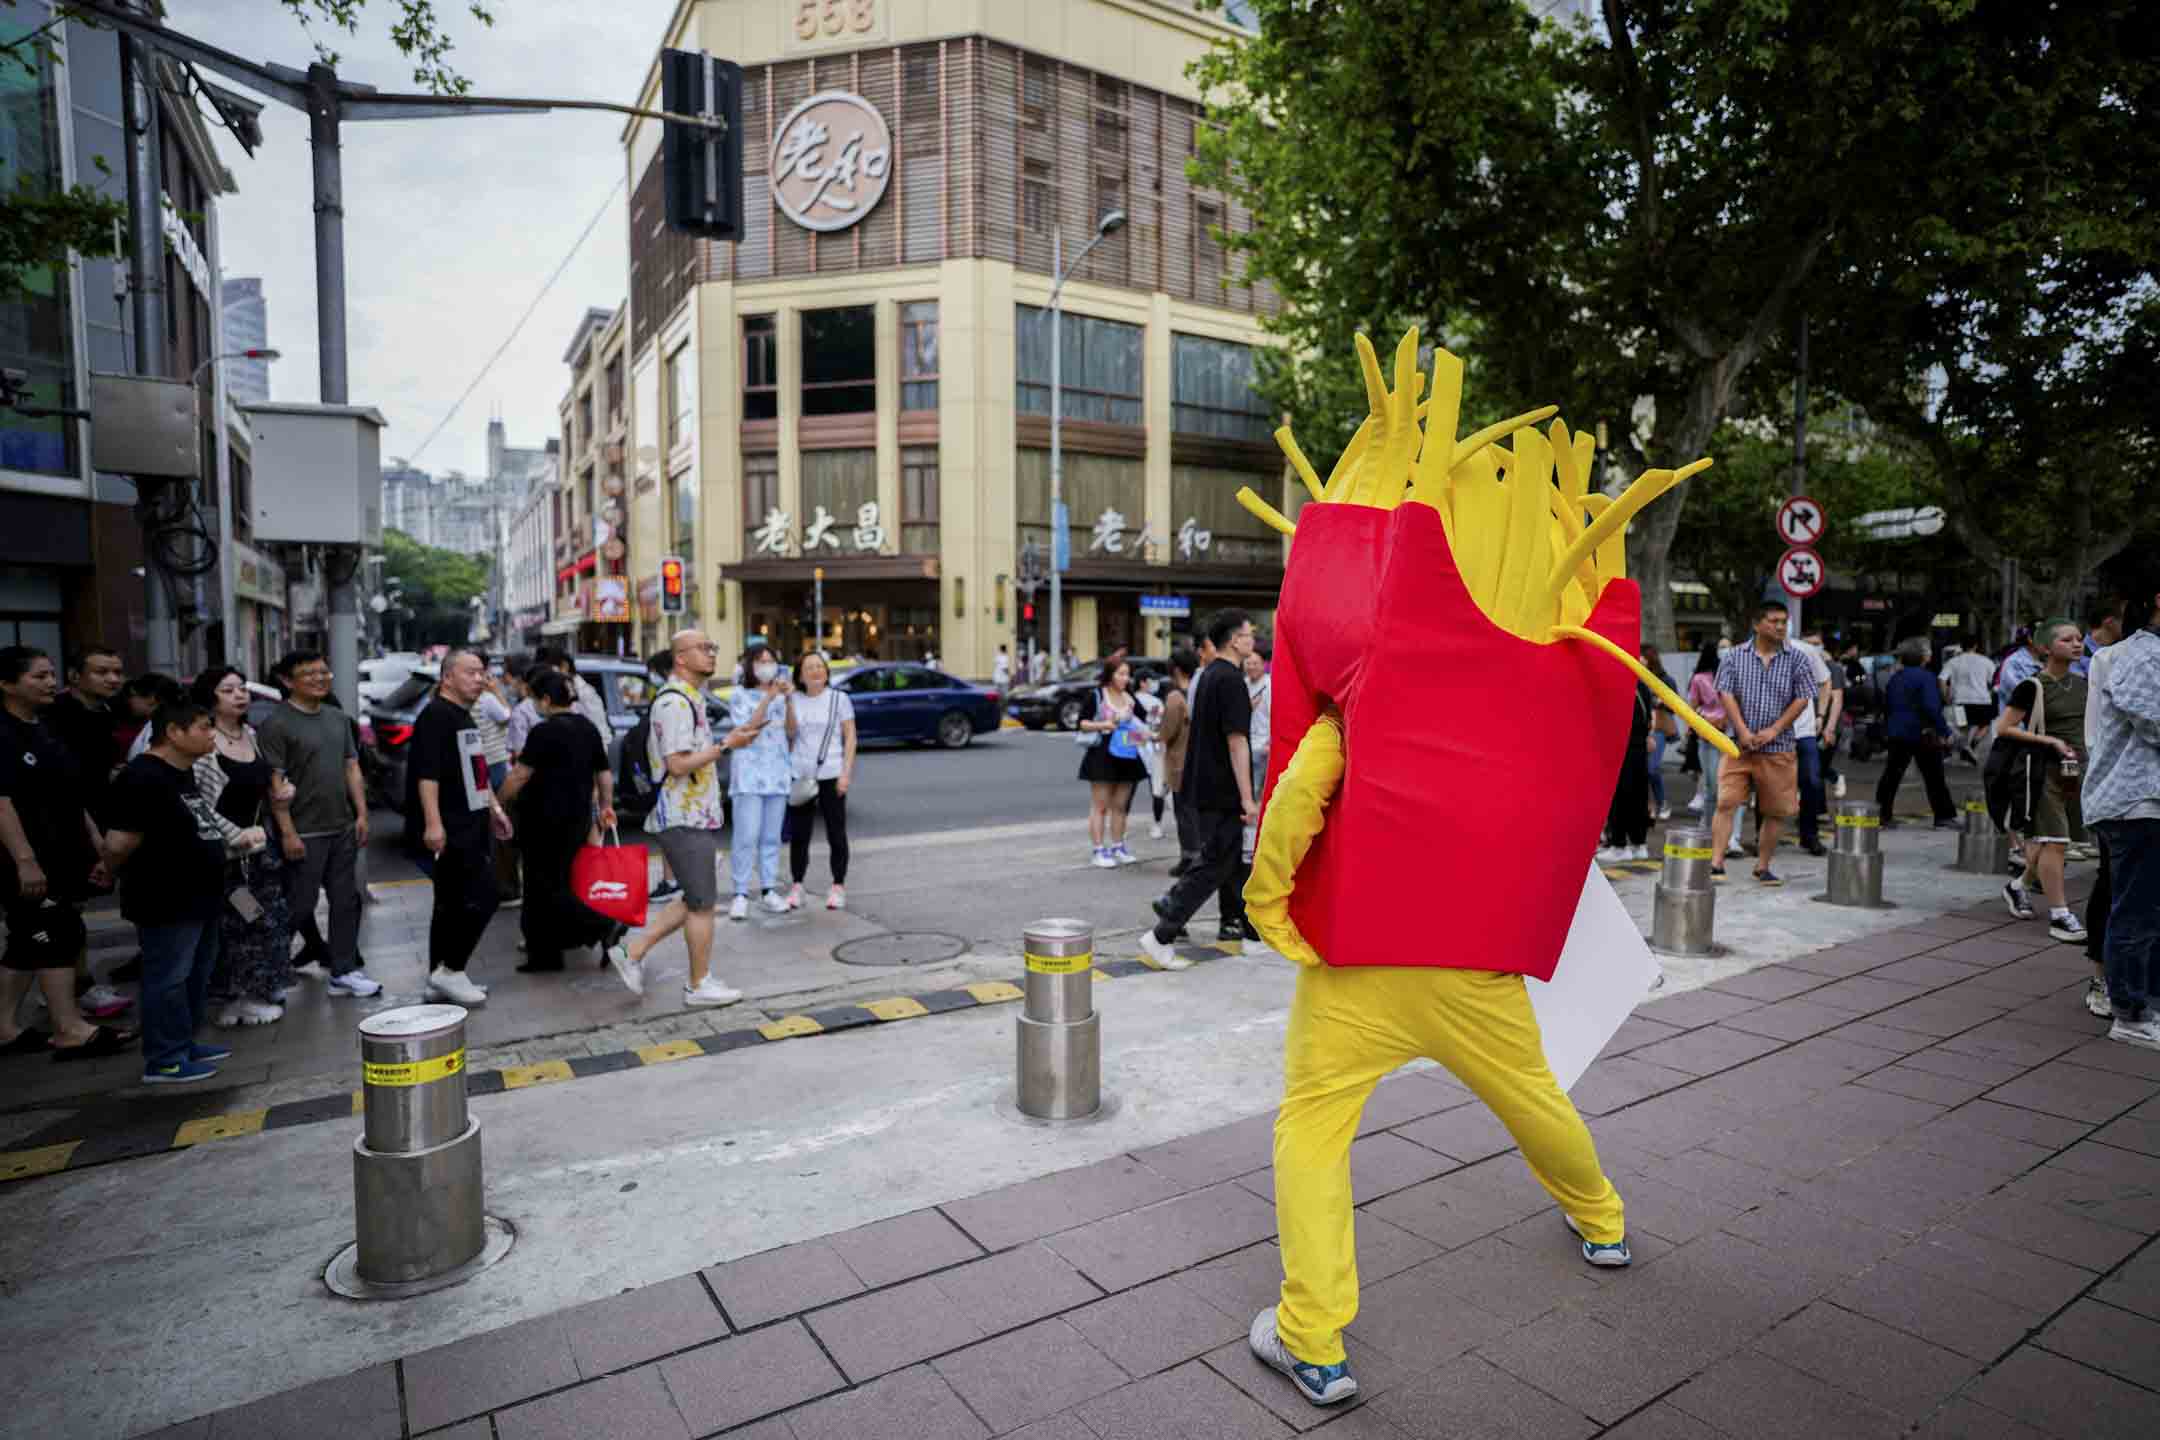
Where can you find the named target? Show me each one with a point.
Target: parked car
(381, 677)
(1063, 700)
(916, 704)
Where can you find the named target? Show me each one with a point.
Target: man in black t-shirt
(165, 844)
(1218, 782)
(457, 809)
(84, 721)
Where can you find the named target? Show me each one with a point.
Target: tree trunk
(1650, 536)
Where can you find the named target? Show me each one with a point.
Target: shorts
(1775, 778)
(695, 857)
(46, 934)
(2059, 818)
(1981, 714)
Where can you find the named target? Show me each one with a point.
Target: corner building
(861, 384)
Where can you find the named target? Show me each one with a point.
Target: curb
(64, 1146)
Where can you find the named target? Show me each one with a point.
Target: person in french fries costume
(1430, 578)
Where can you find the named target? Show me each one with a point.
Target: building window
(585, 419)
(36, 330)
(919, 500)
(614, 392)
(681, 498)
(839, 361)
(1035, 89)
(1036, 205)
(761, 369)
(1212, 390)
(681, 396)
(760, 489)
(1103, 367)
(919, 355)
(1207, 252)
(836, 485)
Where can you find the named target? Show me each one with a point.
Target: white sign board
(1605, 970)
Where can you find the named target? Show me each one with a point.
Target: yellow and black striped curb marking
(102, 1133)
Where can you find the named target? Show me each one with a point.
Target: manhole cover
(917, 947)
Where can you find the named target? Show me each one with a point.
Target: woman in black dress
(255, 959)
(1112, 764)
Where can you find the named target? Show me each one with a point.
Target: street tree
(438, 586)
(1620, 220)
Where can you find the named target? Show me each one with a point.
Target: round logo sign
(831, 160)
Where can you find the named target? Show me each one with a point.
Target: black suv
(1063, 701)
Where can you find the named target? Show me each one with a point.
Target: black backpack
(633, 769)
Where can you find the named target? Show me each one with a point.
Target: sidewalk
(1898, 1185)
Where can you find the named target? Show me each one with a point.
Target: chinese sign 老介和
(831, 160)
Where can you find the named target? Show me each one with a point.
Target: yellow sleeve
(1295, 815)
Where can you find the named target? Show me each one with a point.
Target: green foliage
(414, 25)
(438, 586)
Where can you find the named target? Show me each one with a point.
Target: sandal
(29, 1042)
(103, 1041)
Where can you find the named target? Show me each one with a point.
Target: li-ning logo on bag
(608, 890)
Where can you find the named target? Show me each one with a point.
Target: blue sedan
(916, 703)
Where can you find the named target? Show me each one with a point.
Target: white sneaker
(1694, 807)
(1161, 954)
(627, 970)
(312, 970)
(836, 898)
(776, 903)
(794, 897)
(739, 908)
(453, 985)
(229, 1018)
(1123, 856)
(2145, 1034)
(1104, 860)
(2067, 928)
(256, 1012)
(2096, 1001)
(1639, 852)
(102, 997)
(1838, 790)
(1154, 830)
(356, 983)
(1733, 851)
(712, 992)
(1614, 855)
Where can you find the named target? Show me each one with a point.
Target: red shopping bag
(610, 880)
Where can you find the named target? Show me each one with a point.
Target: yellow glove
(1296, 812)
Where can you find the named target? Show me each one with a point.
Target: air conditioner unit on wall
(318, 473)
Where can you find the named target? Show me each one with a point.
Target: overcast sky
(451, 226)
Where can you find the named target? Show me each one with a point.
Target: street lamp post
(228, 614)
(1109, 225)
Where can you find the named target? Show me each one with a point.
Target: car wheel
(1069, 714)
(955, 730)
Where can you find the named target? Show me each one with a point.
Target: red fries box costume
(1431, 584)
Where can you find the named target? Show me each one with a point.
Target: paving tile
(1400, 1099)
(1790, 1152)
(1029, 1374)
(1670, 1124)
(633, 1403)
(199, 1429)
(1838, 962)
(1938, 1061)
(1708, 1050)
(1635, 1032)
(1986, 950)
(2136, 1286)
(1614, 1082)
(1158, 1325)
(1057, 1427)
(1518, 1282)
(361, 1406)
(2054, 1132)
(1244, 1281)
(1868, 1034)
(889, 1329)
(786, 1281)
(1720, 1179)
(2065, 1398)
(911, 1404)
(1589, 1366)
(737, 1380)
(1419, 1318)
(1789, 1019)
(1376, 1373)
(1937, 1016)
(1891, 1370)
(1662, 1421)
(901, 1248)
(2122, 1343)
(1127, 1249)
(2075, 1092)
(1864, 994)
(2101, 1053)
(1835, 1245)
(1694, 1008)
(2131, 1133)
(1929, 972)
(1859, 1111)
(2126, 1199)
(1945, 1314)
(1753, 1395)
(2004, 1039)
(1469, 1133)
(1770, 982)
(1657, 1206)
(640, 1325)
(1016, 1288)
(1191, 1400)
(485, 1372)
(1215, 1155)
(1961, 1419)
(1000, 1219)
(2049, 1231)
(1473, 1397)
(1923, 1085)
(1384, 1249)
(1896, 944)
(1447, 1212)
(1381, 1165)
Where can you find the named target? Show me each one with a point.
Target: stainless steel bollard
(417, 1187)
(1059, 1034)
(1683, 911)
(1856, 862)
(1982, 848)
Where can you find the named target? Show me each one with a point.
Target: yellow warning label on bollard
(418, 1072)
(1061, 964)
(1687, 852)
(1859, 822)
(1976, 807)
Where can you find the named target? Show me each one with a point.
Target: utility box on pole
(144, 426)
(317, 474)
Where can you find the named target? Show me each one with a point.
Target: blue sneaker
(208, 1054)
(1615, 1256)
(184, 1072)
(1321, 1384)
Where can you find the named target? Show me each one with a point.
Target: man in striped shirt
(1765, 686)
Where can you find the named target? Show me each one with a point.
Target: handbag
(1122, 744)
(803, 788)
(1089, 739)
(611, 880)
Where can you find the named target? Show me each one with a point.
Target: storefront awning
(838, 568)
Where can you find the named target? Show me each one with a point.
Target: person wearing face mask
(760, 771)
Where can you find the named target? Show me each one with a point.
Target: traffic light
(1027, 612)
(671, 586)
(701, 168)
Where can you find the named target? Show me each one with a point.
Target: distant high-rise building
(247, 327)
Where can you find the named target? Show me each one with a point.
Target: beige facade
(786, 380)
(589, 514)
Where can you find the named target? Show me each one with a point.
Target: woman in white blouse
(824, 749)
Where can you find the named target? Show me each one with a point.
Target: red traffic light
(1027, 611)
(671, 585)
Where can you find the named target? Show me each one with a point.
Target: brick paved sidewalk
(1896, 1186)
